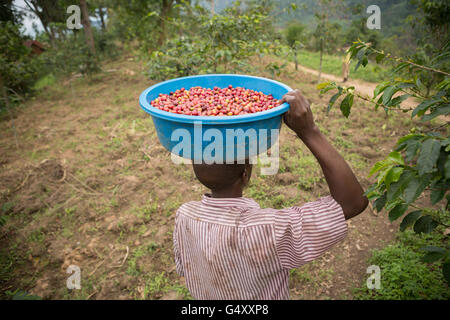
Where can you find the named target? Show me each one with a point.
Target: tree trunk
(102, 19)
(321, 59)
(212, 8)
(87, 26)
(53, 36)
(165, 11)
(296, 60)
(49, 34)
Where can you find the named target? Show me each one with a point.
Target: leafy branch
(364, 50)
(420, 163)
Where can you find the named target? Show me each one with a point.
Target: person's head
(223, 178)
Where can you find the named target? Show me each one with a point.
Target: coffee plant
(221, 43)
(419, 166)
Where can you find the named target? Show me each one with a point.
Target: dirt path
(363, 87)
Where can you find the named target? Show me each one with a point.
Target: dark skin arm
(344, 187)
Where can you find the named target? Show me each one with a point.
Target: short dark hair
(219, 176)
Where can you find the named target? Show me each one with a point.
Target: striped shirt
(232, 249)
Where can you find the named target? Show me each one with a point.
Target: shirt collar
(229, 202)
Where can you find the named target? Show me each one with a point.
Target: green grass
(403, 274)
(45, 81)
(147, 249)
(333, 65)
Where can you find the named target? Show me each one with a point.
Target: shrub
(404, 275)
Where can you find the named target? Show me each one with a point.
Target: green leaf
(380, 57)
(380, 202)
(388, 93)
(433, 249)
(380, 88)
(433, 256)
(393, 175)
(398, 100)
(396, 158)
(333, 100)
(421, 108)
(438, 192)
(378, 166)
(399, 147)
(441, 163)
(346, 105)
(379, 102)
(444, 84)
(428, 156)
(400, 67)
(438, 111)
(411, 150)
(446, 272)
(415, 188)
(365, 61)
(409, 219)
(425, 224)
(409, 141)
(447, 197)
(419, 84)
(445, 142)
(409, 137)
(406, 85)
(396, 188)
(398, 211)
(447, 168)
(372, 191)
(360, 56)
(382, 175)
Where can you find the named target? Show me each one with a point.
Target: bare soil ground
(89, 185)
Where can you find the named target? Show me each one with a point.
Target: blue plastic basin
(197, 127)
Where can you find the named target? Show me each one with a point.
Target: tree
(219, 43)
(48, 12)
(166, 8)
(17, 71)
(144, 20)
(213, 12)
(296, 37)
(326, 32)
(87, 27)
(7, 12)
(435, 15)
(101, 12)
(359, 30)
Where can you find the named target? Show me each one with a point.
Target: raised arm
(344, 187)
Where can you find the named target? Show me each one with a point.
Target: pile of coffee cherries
(229, 101)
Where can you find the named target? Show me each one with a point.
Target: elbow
(363, 205)
(356, 208)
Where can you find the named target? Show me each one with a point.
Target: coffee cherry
(228, 101)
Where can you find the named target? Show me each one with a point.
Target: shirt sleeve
(304, 233)
(176, 250)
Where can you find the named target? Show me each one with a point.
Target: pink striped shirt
(232, 249)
